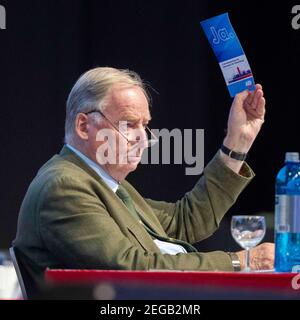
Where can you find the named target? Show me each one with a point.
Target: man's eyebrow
(134, 118)
(131, 118)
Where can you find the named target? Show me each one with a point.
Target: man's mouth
(134, 159)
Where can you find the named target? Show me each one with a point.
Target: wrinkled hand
(245, 119)
(261, 257)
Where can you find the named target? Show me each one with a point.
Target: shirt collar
(109, 180)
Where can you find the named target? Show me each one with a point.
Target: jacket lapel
(141, 205)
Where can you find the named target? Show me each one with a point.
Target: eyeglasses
(152, 139)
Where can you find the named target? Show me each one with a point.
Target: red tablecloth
(264, 281)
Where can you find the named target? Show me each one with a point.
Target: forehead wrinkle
(133, 116)
(127, 103)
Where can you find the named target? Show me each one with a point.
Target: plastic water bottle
(287, 215)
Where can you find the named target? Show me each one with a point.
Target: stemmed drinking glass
(248, 231)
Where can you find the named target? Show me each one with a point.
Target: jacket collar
(69, 155)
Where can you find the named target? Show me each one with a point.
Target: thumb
(241, 97)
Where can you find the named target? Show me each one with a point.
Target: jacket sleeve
(198, 213)
(76, 227)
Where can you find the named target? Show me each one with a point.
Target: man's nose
(139, 133)
(140, 138)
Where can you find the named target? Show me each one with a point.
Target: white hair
(91, 89)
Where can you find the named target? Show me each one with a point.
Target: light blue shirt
(164, 247)
(109, 180)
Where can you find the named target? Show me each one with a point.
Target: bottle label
(287, 213)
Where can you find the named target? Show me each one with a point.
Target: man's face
(126, 104)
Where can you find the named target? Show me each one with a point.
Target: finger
(250, 97)
(258, 95)
(249, 102)
(246, 98)
(252, 93)
(261, 107)
(258, 86)
(240, 98)
(268, 264)
(242, 95)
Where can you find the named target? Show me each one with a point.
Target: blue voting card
(230, 54)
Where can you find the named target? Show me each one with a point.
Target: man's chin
(133, 162)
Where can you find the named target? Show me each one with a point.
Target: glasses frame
(153, 141)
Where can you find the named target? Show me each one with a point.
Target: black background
(49, 43)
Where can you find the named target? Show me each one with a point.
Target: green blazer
(70, 218)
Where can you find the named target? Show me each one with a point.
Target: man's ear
(81, 126)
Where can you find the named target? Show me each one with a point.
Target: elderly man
(80, 212)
